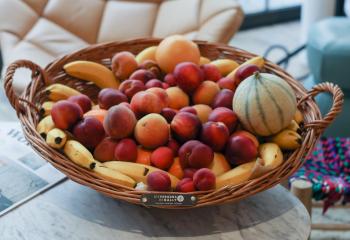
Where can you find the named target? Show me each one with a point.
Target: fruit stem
(257, 75)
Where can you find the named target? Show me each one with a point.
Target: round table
(71, 211)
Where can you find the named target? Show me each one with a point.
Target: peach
(158, 181)
(99, 114)
(161, 93)
(154, 83)
(189, 172)
(143, 75)
(240, 149)
(203, 112)
(143, 103)
(89, 132)
(223, 99)
(126, 150)
(162, 157)
(215, 134)
(177, 98)
(176, 49)
(227, 83)
(151, 66)
(104, 151)
(219, 165)
(211, 72)
(174, 146)
(143, 156)
(131, 87)
(123, 64)
(170, 79)
(205, 93)
(188, 76)
(152, 131)
(189, 110)
(247, 134)
(119, 122)
(185, 185)
(185, 126)
(176, 169)
(65, 114)
(109, 97)
(83, 101)
(195, 154)
(168, 113)
(226, 116)
(204, 179)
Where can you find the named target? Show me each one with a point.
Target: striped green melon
(264, 103)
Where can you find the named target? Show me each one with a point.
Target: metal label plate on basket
(150, 199)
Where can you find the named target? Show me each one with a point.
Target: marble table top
(74, 212)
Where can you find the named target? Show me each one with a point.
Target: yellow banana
(219, 165)
(294, 126)
(57, 91)
(114, 176)
(137, 171)
(236, 175)
(204, 60)
(258, 61)
(287, 139)
(45, 125)
(56, 138)
(271, 155)
(298, 117)
(45, 109)
(225, 66)
(78, 154)
(93, 72)
(146, 54)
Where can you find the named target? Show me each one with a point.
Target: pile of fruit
(169, 119)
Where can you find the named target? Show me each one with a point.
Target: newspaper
(23, 173)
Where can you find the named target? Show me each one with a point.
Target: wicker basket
(28, 103)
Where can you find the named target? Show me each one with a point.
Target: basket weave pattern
(28, 103)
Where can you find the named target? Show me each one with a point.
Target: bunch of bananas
(289, 138)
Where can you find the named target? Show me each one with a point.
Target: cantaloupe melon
(264, 104)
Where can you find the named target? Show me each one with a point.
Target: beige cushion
(42, 30)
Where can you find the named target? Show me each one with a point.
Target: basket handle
(37, 72)
(338, 100)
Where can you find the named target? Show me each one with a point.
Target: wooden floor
(257, 41)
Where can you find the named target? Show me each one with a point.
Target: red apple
(154, 83)
(240, 149)
(109, 97)
(226, 116)
(83, 101)
(195, 154)
(215, 134)
(245, 71)
(223, 99)
(188, 76)
(131, 87)
(185, 126)
(227, 83)
(65, 114)
(211, 72)
(89, 132)
(170, 79)
(143, 75)
(126, 150)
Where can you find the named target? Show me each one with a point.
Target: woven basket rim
(28, 103)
